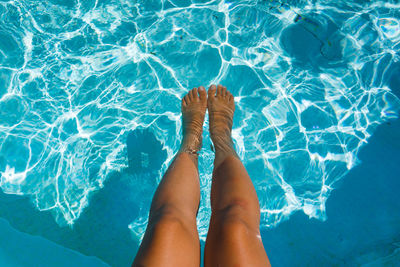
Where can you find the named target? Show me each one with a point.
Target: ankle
(191, 143)
(224, 146)
(222, 142)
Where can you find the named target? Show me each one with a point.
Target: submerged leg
(171, 237)
(234, 236)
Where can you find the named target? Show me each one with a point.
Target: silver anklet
(191, 151)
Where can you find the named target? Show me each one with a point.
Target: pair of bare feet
(221, 106)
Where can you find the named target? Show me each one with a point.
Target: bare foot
(221, 107)
(194, 105)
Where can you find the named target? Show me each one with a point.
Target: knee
(166, 228)
(167, 214)
(166, 224)
(238, 208)
(170, 211)
(168, 219)
(238, 219)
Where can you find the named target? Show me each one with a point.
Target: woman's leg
(234, 236)
(171, 237)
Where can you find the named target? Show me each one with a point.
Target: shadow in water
(102, 229)
(314, 41)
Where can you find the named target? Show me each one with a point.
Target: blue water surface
(90, 119)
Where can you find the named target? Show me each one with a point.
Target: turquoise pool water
(90, 97)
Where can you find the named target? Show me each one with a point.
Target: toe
(195, 95)
(219, 90)
(191, 94)
(184, 102)
(211, 91)
(223, 92)
(229, 96)
(202, 93)
(186, 99)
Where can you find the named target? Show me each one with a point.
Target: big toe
(202, 93)
(211, 91)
